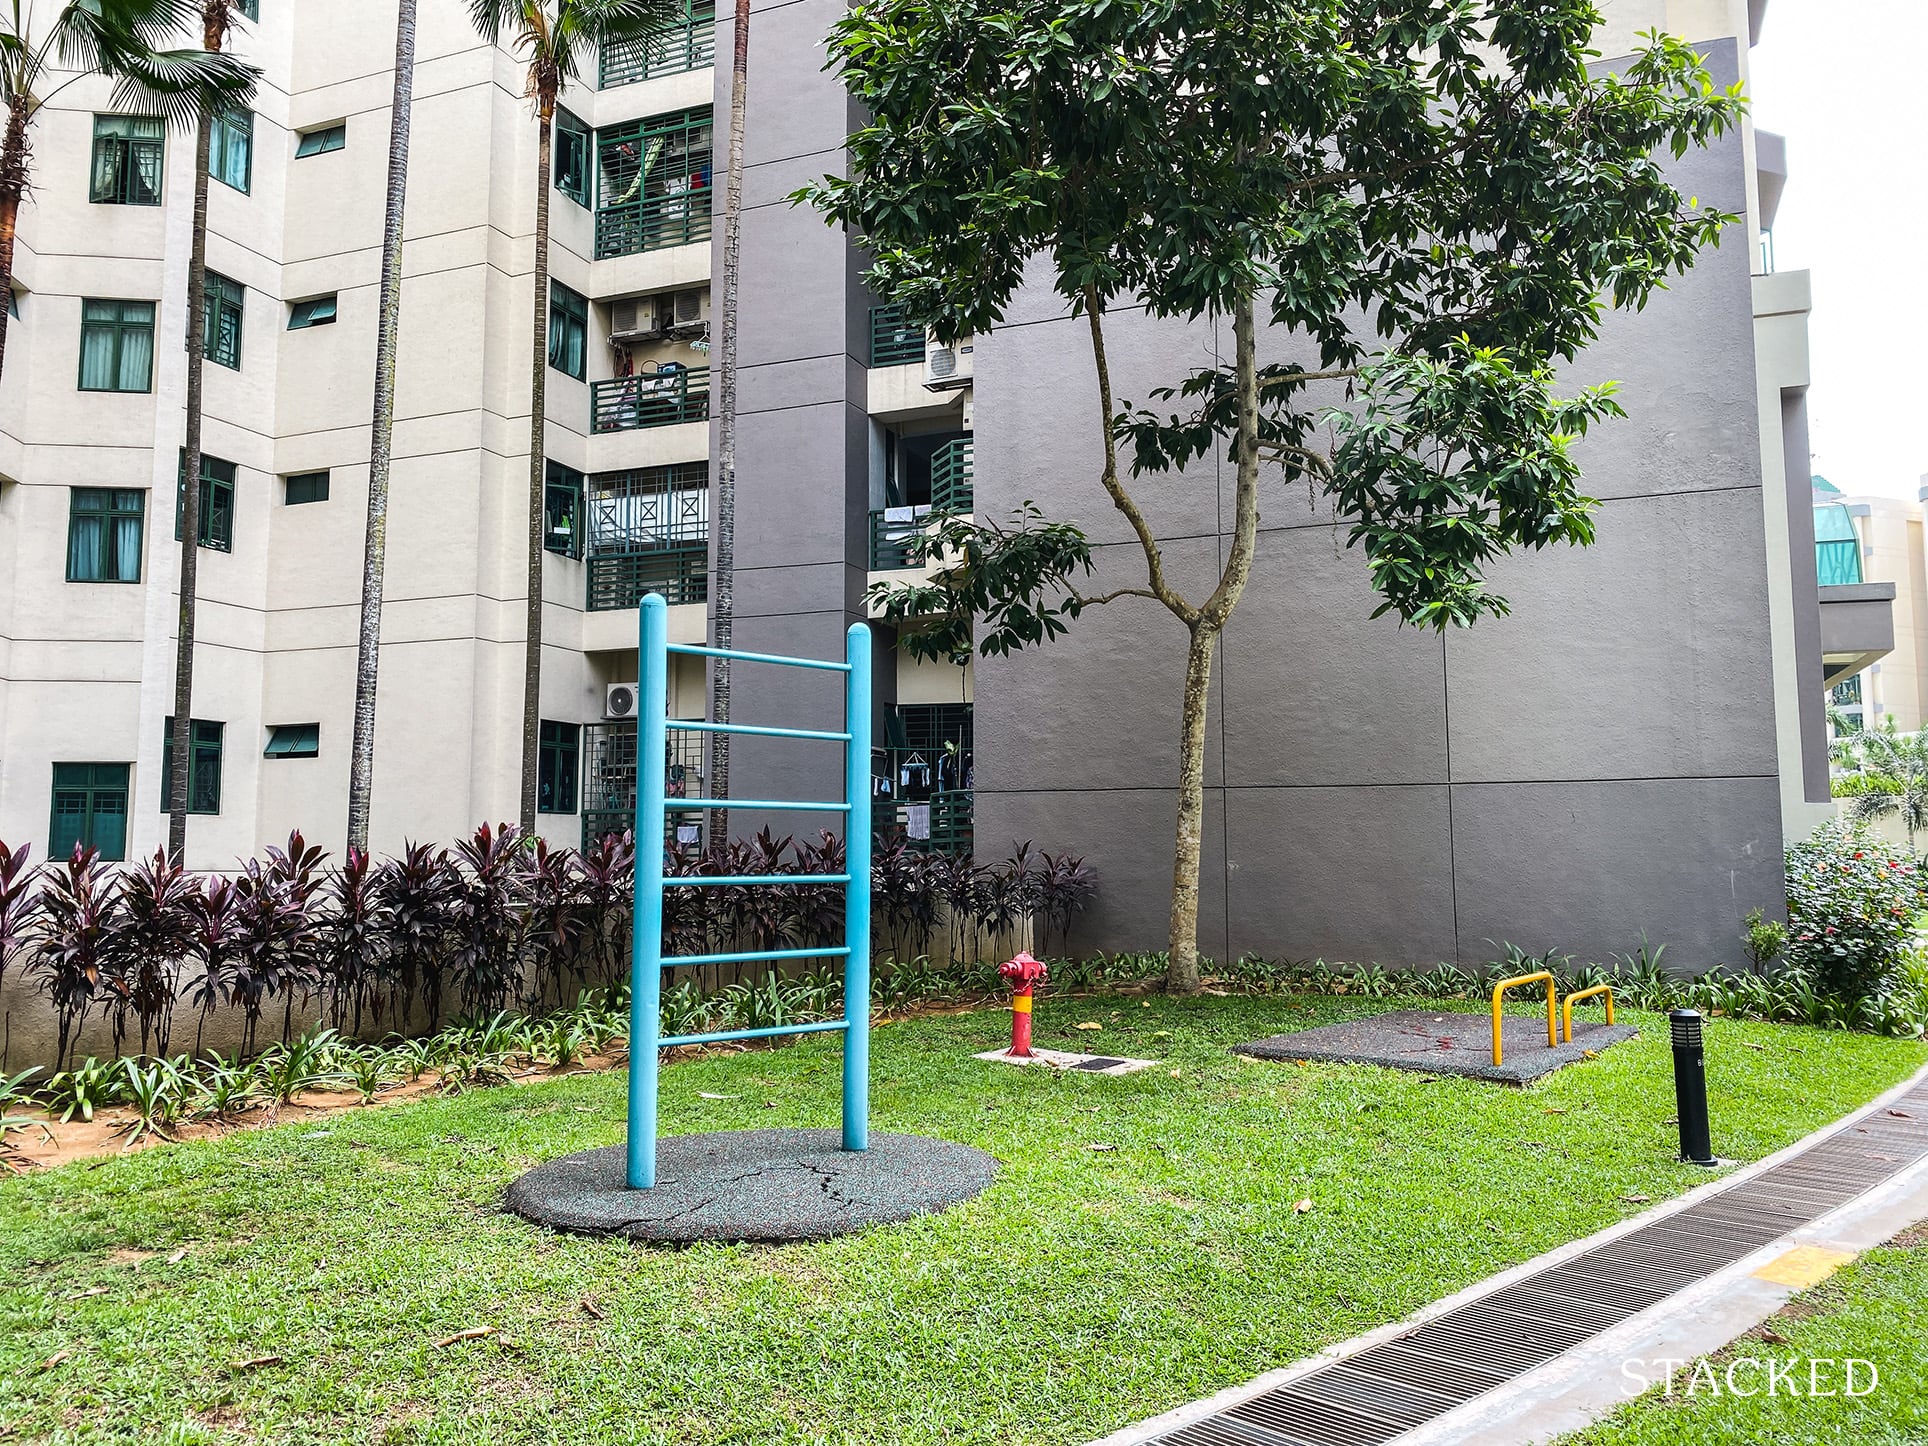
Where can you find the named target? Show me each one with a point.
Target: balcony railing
(655, 399)
(651, 223)
(1838, 562)
(897, 537)
(609, 783)
(894, 342)
(951, 477)
(686, 45)
(941, 823)
(621, 579)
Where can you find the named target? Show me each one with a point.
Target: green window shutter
(568, 330)
(570, 161)
(90, 809)
(562, 510)
(558, 766)
(320, 142)
(318, 312)
(226, 308)
(116, 346)
(104, 534)
(217, 501)
(293, 740)
(306, 487)
(130, 153)
(204, 741)
(231, 149)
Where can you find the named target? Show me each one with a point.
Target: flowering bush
(1851, 908)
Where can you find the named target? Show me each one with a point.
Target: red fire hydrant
(1023, 972)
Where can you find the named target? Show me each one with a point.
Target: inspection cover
(1442, 1042)
(1062, 1059)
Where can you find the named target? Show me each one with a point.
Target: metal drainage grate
(1388, 1389)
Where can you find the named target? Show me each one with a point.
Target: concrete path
(1592, 1378)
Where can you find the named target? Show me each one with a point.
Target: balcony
(951, 477)
(688, 44)
(893, 341)
(653, 399)
(653, 183)
(897, 534)
(609, 783)
(940, 824)
(649, 531)
(652, 223)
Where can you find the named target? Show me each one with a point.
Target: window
(13, 303)
(203, 765)
(250, 8)
(572, 158)
(116, 346)
(90, 808)
(319, 143)
(558, 762)
(225, 310)
(306, 487)
(562, 511)
(319, 312)
(217, 502)
(231, 149)
(293, 740)
(568, 330)
(129, 156)
(104, 534)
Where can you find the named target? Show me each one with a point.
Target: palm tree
(217, 23)
(553, 37)
(361, 763)
(116, 38)
(1904, 758)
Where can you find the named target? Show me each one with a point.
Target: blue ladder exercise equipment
(646, 938)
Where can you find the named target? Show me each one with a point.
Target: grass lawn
(1084, 1290)
(1875, 1309)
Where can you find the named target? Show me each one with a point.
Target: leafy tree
(388, 328)
(553, 37)
(121, 39)
(1433, 201)
(1902, 757)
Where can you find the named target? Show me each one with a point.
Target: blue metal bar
(695, 726)
(788, 805)
(700, 881)
(751, 957)
(691, 650)
(646, 940)
(729, 1034)
(856, 1070)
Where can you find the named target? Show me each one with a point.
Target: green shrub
(1851, 906)
(1854, 785)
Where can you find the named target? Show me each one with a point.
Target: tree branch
(1103, 598)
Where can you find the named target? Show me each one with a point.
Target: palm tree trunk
(361, 762)
(14, 154)
(723, 577)
(538, 468)
(197, 312)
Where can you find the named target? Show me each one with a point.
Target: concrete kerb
(1467, 1423)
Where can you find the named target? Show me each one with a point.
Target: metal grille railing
(622, 579)
(943, 826)
(894, 342)
(656, 399)
(951, 477)
(609, 783)
(897, 538)
(688, 44)
(652, 223)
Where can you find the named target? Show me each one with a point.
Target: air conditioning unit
(622, 700)
(638, 318)
(689, 306)
(946, 368)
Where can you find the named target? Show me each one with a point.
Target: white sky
(1840, 79)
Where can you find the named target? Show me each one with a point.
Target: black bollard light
(1690, 1087)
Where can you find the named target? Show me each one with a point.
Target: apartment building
(1866, 543)
(1626, 752)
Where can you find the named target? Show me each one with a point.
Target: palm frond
(1868, 807)
(181, 84)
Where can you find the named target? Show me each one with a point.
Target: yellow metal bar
(1566, 1009)
(1552, 1007)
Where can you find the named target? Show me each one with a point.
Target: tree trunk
(361, 762)
(14, 153)
(538, 467)
(190, 510)
(723, 578)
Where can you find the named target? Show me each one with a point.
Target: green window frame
(568, 331)
(104, 526)
(302, 487)
(116, 346)
(231, 149)
(573, 145)
(227, 310)
(293, 740)
(558, 766)
(89, 807)
(562, 510)
(653, 183)
(321, 142)
(130, 160)
(320, 311)
(204, 743)
(217, 501)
